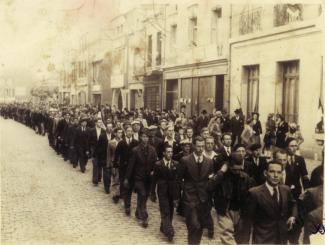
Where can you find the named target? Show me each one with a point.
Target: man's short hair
(209, 138)
(189, 129)
(166, 146)
(274, 162)
(280, 151)
(225, 134)
(198, 138)
(204, 129)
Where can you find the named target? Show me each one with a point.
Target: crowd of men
(191, 165)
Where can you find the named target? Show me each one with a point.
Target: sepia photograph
(162, 122)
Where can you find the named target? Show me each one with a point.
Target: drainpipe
(229, 59)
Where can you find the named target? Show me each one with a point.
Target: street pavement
(46, 201)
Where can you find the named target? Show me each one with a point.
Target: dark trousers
(73, 156)
(166, 207)
(107, 173)
(235, 137)
(82, 159)
(125, 193)
(143, 191)
(97, 170)
(195, 219)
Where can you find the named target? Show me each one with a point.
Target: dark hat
(144, 131)
(237, 111)
(83, 118)
(254, 147)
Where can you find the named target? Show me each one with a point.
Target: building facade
(276, 63)
(196, 66)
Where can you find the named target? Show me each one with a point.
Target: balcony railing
(250, 21)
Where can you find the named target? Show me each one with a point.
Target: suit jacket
(123, 153)
(196, 182)
(221, 158)
(280, 135)
(267, 217)
(141, 163)
(159, 134)
(237, 126)
(295, 173)
(166, 179)
(98, 146)
(82, 140)
(258, 170)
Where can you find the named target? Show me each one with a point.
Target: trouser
(73, 156)
(166, 207)
(195, 220)
(231, 228)
(115, 182)
(143, 191)
(209, 221)
(235, 139)
(294, 234)
(82, 159)
(126, 193)
(97, 170)
(107, 173)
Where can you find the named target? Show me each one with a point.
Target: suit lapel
(269, 199)
(204, 167)
(193, 169)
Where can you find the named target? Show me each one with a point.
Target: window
(250, 21)
(287, 13)
(159, 42)
(152, 97)
(193, 31)
(290, 76)
(173, 32)
(252, 75)
(149, 54)
(171, 94)
(215, 22)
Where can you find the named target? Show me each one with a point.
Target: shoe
(116, 199)
(210, 234)
(145, 223)
(74, 165)
(82, 171)
(107, 191)
(137, 215)
(170, 237)
(95, 184)
(128, 212)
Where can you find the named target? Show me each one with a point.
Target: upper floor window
(193, 31)
(149, 51)
(159, 44)
(287, 13)
(215, 23)
(250, 20)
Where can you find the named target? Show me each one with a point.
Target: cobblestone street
(45, 201)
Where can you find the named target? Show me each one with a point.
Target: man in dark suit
(122, 156)
(82, 144)
(271, 209)
(195, 170)
(98, 147)
(72, 137)
(296, 173)
(202, 121)
(258, 164)
(59, 133)
(161, 129)
(168, 189)
(168, 140)
(224, 152)
(281, 130)
(140, 170)
(237, 127)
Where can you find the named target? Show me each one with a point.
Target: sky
(36, 33)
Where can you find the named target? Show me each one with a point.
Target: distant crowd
(257, 181)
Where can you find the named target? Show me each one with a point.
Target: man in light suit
(271, 209)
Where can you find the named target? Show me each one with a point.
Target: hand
(224, 167)
(153, 197)
(291, 221)
(126, 184)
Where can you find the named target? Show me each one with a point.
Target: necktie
(275, 195)
(228, 151)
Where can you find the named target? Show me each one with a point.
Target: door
(186, 95)
(219, 92)
(206, 94)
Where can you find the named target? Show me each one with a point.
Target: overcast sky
(34, 33)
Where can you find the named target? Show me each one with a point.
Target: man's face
(119, 134)
(205, 134)
(168, 153)
(170, 133)
(282, 158)
(273, 174)
(163, 125)
(136, 127)
(144, 138)
(128, 132)
(99, 123)
(189, 133)
(293, 147)
(199, 147)
(226, 140)
(187, 148)
(256, 153)
(209, 144)
(241, 151)
(109, 127)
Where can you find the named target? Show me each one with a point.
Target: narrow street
(45, 201)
